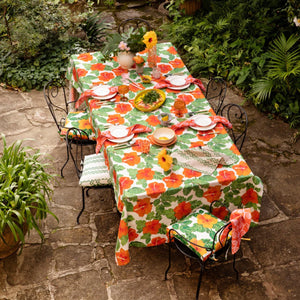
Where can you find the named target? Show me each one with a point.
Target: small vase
(140, 68)
(152, 57)
(125, 59)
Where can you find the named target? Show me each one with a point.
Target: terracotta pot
(190, 6)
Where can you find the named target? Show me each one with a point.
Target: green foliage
(25, 188)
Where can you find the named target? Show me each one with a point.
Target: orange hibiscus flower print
(75, 75)
(213, 193)
(242, 168)
(205, 138)
(186, 98)
(134, 88)
(172, 50)
(123, 108)
(220, 212)
(179, 131)
(197, 94)
(225, 177)
(177, 63)
(85, 57)
(197, 144)
(234, 149)
(255, 216)
(132, 235)
(84, 124)
(200, 244)
(152, 120)
(173, 180)
(191, 173)
(152, 227)
(120, 204)
(97, 67)
(165, 68)
(125, 183)
(123, 229)
(81, 72)
(206, 220)
(250, 196)
(131, 159)
(143, 207)
(119, 71)
(156, 241)
(113, 119)
(106, 76)
(154, 189)
(122, 257)
(182, 210)
(146, 173)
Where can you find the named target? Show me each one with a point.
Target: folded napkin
(240, 220)
(191, 122)
(103, 136)
(90, 94)
(164, 83)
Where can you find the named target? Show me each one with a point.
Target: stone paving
(77, 261)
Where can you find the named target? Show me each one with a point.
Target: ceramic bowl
(163, 135)
(164, 118)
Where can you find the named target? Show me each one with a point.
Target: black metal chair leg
(234, 268)
(169, 266)
(83, 206)
(199, 281)
(61, 170)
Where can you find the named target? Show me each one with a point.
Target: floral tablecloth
(149, 198)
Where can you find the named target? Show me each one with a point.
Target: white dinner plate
(179, 88)
(178, 82)
(106, 97)
(119, 132)
(123, 140)
(202, 120)
(204, 128)
(101, 90)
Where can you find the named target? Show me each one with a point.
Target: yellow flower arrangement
(150, 39)
(164, 160)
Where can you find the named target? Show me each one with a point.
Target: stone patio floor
(77, 261)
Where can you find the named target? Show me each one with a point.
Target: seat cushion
(199, 228)
(80, 120)
(94, 171)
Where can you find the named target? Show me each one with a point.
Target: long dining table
(149, 198)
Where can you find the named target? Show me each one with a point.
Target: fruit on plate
(149, 100)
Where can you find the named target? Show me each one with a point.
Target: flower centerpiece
(139, 61)
(125, 57)
(150, 39)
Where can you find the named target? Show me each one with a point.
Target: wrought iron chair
(134, 23)
(239, 120)
(56, 99)
(215, 93)
(90, 169)
(203, 237)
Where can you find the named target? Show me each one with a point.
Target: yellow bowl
(163, 135)
(140, 105)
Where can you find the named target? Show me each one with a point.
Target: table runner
(149, 198)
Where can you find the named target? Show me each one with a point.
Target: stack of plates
(178, 82)
(120, 134)
(203, 123)
(164, 136)
(102, 92)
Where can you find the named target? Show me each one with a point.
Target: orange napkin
(191, 122)
(90, 94)
(103, 136)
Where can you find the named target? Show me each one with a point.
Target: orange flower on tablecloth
(122, 257)
(143, 207)
(196, 144)
(125, 183)
(85, 57)
(106, 76)
(131, 159)
(123, 229)
(250, 196)
(152, 227)
(132, 235)
(97, 67)
(255, 216)
(202, 251)
(206, 137)
(173, 180)
(172, 50)
(114, 175)
(173, 91)
(113, 119)
(134, 89)
(225, 177)
(81, 72)
(84, 124)
(156, 241)
(179, 131)
(206, 220)
(220, 129)
(119, 71)
(182, 210)
(146, 174)
(177, 63)
(164, 68)
(213, 193)
(197, 94)
(220, 212)
(242, 168)
(75, 75)
(191, 173)
(141, 146)
(235, 150)
(123, 108)
(186, 98)
(152, 120)
(120, 204)
(94, 104)
(105, 158)
(154, 189)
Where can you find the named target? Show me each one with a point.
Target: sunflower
(164, 160)
(150, 39)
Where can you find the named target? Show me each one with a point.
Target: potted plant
(25, 189)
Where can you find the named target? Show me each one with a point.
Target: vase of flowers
(125, 57)
(150, 39)
(140, 62)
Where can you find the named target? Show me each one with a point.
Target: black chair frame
(215, 93)
(237, 116)
(77, 157)
(135, 23)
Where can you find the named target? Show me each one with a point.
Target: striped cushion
(95, 171)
